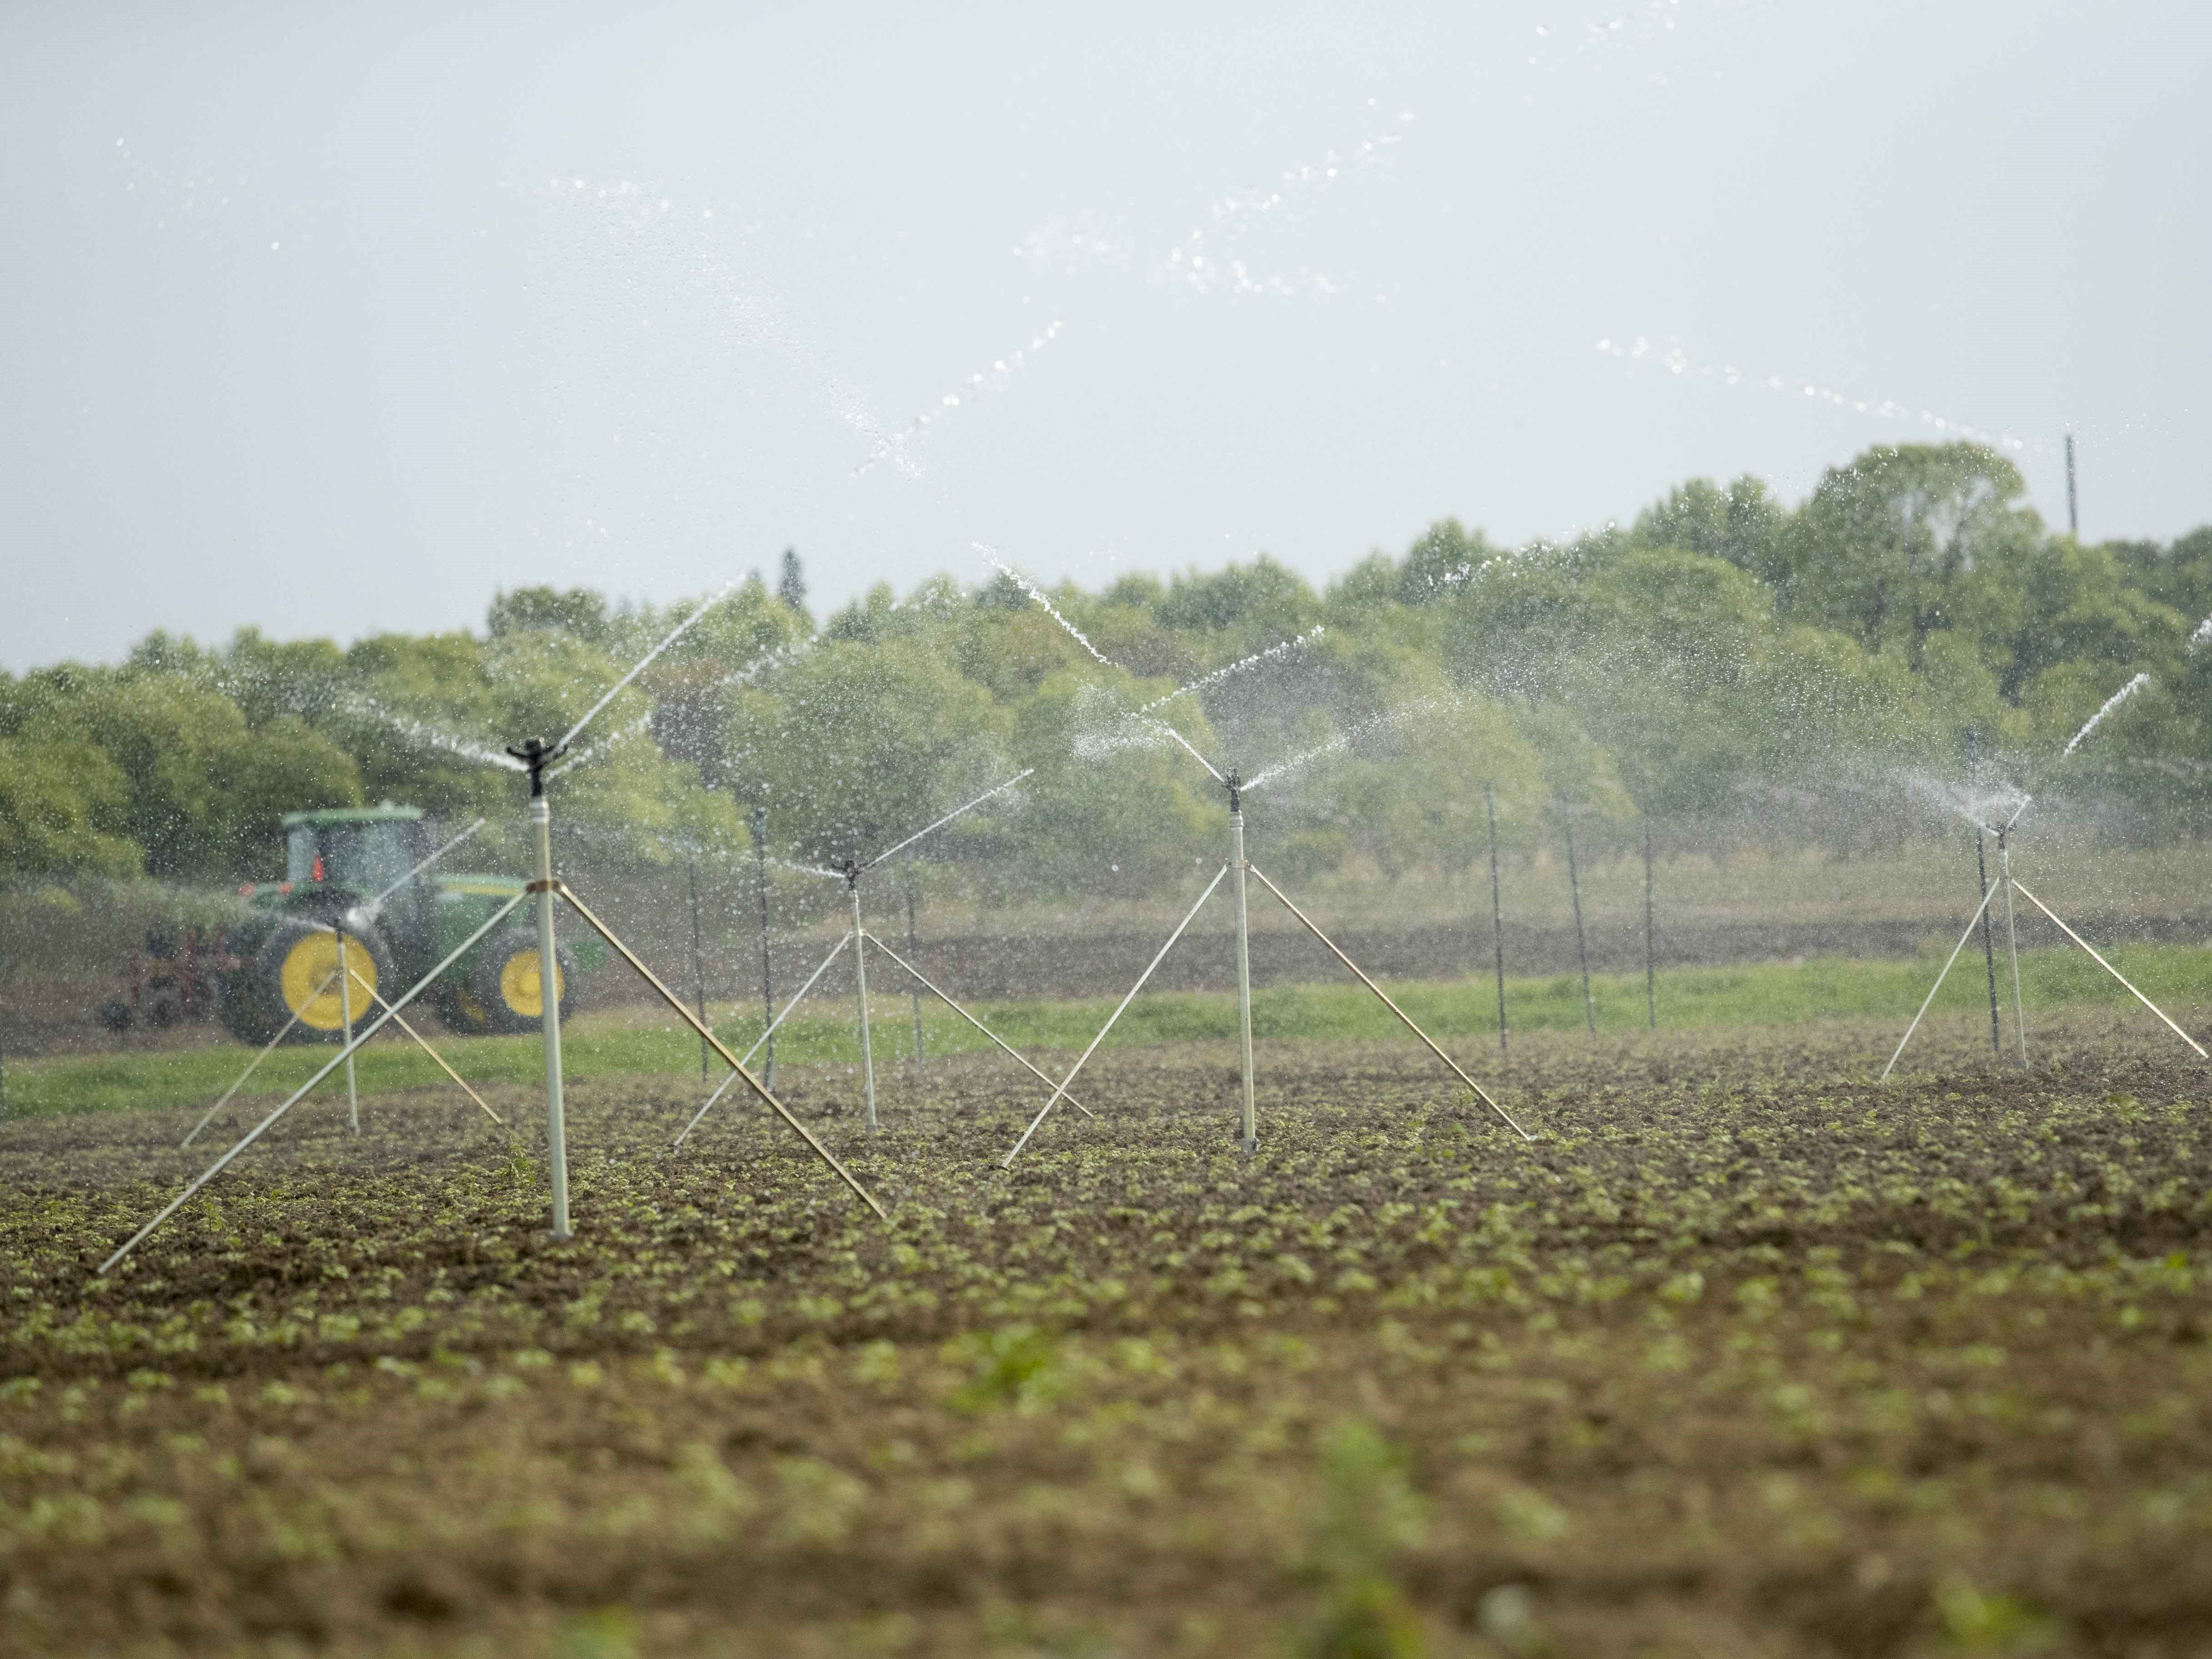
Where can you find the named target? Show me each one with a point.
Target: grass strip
(2177, 977)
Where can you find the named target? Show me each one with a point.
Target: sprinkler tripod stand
(534, 755)
(852, 873)
(2008, 883)
(859, 939)
(1249, 1138)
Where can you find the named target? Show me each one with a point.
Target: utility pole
(2073, 507)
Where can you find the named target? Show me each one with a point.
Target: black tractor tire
(291, 962)
(504, 983)
(164, 1001)
(459, 1006)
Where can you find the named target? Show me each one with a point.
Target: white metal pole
(1061, 1092)
(254, 1065)
(345, 1012)
(1251, 1127)
(1358, 973)
(914, 948)
(302, 1091)
(767, 1036)
(2114, 972)
(1011, 1052)
(548, 992)
(860, 975)
(423, 1043)
(2012, 943)
(1928, 1001)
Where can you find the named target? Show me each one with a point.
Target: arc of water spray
(891, 446)
(598, 747)
(1076, 634)
(1641, 353)
(1163, 727)
(998, 789)
(2111, 703)
(1342, 741)
(642, 663)
(364, 707)
(1238, 666)
(991, 556)
(425, 864)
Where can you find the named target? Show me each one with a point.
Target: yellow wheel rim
(522, 987)
(310, 962)
(469, 1008)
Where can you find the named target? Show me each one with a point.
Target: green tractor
(281, 961)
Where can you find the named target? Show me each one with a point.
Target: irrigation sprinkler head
(535, 756)
(851, 871)
(1235, 784)
(757, 821)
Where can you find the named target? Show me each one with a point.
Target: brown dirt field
(1742, 1356)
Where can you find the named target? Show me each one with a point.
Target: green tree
(577, 610)
(1743, 523)
(1880, 549)
(1254, 604)
(852, 748)
(59, 801)
(2036, 605)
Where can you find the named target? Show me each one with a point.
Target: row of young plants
(1742, 1343)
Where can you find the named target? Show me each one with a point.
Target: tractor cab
(357, 850)
(281, 965)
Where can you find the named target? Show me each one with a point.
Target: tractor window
(363, 858)
(368, 858)
(300, 854)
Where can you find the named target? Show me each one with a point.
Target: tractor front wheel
(507, 984)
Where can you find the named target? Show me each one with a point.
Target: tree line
(1725, 656)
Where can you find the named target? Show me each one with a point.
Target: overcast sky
(331, 320)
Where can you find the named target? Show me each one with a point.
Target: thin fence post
(914, 948)
(1650, 948)
(1497, 912)
(1582, 943)
(698, 952)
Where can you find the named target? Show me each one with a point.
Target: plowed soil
(1742, 1354)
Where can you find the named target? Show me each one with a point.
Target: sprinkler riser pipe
(1581, 941)
(1250, 1121)
(914, 948)
(1981, 889)
(1497, 912)
(698, 956)
(549, 991)
(2012, 944)
(860, 976)
(756, 820)
(1651, 944)
(345, 1013)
